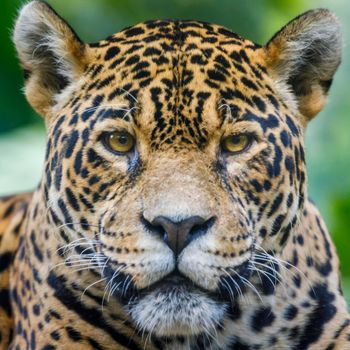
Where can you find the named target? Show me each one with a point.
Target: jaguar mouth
(229, 286)
(175, 305)
(173, 283)
(124, 289)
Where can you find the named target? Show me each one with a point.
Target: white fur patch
(177, 312)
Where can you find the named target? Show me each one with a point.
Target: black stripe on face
(64, 210)
(270, 123)
(8, 211)
(37, 251)
(5, 301)
(114, 114)
(125, 293)
(5, 261)
(71, 143)
(90, 315)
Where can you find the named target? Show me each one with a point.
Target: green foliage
(14, 109)
(340, 229)
(245, 17)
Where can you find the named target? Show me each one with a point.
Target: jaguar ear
(304, 55)
(51, 54)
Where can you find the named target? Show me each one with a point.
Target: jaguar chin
(175, 307)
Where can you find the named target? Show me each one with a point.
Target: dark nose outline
(178, 234)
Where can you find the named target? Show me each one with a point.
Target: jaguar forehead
(181, 73)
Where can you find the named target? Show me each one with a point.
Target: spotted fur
(81, 264)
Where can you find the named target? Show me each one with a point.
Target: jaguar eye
(119, 141)
(236, 143)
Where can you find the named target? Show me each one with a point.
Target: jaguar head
(175, 158)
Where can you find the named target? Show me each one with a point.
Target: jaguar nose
(178, 234)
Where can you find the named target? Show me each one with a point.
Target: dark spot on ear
(326, 84)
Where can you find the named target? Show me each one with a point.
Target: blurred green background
(22, 135)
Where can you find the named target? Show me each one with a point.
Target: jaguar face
(175, 155)
(177, 175)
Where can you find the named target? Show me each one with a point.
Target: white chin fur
(177, 312)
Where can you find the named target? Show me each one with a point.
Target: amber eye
(236, 143)
(119, 141)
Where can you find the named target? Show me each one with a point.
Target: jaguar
(173, 210)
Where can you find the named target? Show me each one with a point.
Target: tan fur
(12, 213)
